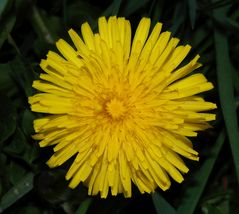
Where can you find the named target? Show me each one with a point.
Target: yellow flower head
(124, 111)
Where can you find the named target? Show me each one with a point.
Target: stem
(12, 42)
(37, 19)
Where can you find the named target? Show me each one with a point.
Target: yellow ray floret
(124, 112)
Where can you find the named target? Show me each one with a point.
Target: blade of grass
(6, 27)
(225, 87)
(192, 9)
(3, 4)
(22, 74)
(132, 6)
(113, 9)
(178, 19)
(156, 11)
(227, 23)
(39, 24)
(210, 5)
(116, 7)
(8, 118)
(161, 205)
(193, 193)
(14, 194)
(84, 206)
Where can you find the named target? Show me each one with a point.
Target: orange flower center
(115, 108)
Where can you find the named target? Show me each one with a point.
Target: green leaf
(77, 15)
(208, 208)
(40, 26)
(16, 172)
(27, 122)
(18, 144)
(31, 153)
(116, 7)
(161, 205)
(3, 4)
(24, 186)
(193, 193)
(52, 186)
(7, 25)
(113, 9)
(156, 11)
(219, 200)
(177, 19)
(227, 23)
(7, 118)
(192, 7)
(82, 209)
(23, 74)
(48, 28)
(31, 210)
(21, 148)
(233, 25)
(225, 87)
(7, 85)
(132, 6)
(201, 40)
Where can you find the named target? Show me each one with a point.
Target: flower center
(115, 108)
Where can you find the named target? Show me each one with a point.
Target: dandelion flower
(123, 112)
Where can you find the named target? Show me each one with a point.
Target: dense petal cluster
(123, 111)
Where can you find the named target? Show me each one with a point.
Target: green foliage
(29, 28)
(19, 189)
(225, 87)
(84, 206)
(200, 177)
(8, 118)
(161, 205)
